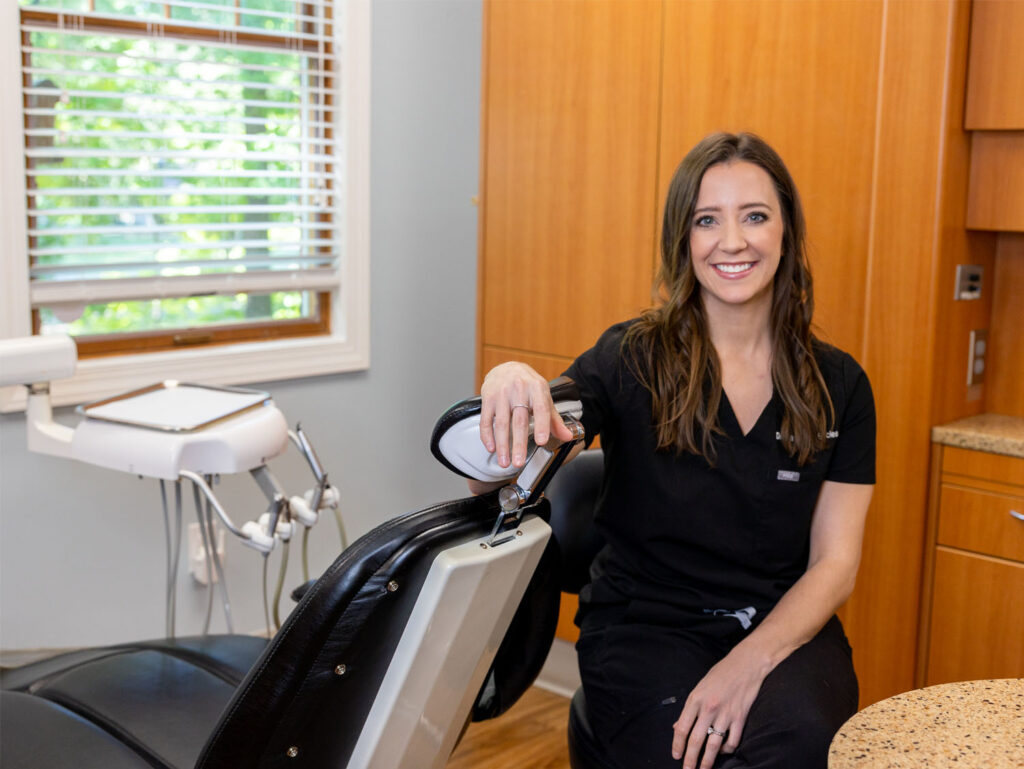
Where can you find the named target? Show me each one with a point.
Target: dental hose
(207, 549)
(305, 542)
(266, 605)
(167, 540)
(217, 566)
(305, 554)
(341, 529)
(280, 584)
(173, 555)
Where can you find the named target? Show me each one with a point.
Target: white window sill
(238, 364)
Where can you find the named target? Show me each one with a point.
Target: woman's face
(736, 235)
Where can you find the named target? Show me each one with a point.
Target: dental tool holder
(169, 431)
(174, 430)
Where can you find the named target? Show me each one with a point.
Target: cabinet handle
(1018, 516)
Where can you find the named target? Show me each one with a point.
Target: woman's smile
(734, 270)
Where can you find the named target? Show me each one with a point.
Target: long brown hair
(669, 349)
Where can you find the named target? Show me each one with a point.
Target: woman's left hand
(720, 702)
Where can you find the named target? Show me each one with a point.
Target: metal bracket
(528, 489)
(306, 449)
(275, 495)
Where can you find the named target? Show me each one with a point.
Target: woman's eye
(758, 216)
(705, 221)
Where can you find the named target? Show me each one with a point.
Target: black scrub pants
(636, 678)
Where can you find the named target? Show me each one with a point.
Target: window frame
(346, 348)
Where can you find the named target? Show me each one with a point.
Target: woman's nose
(732, 238)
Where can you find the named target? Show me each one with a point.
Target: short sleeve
(853, 458)
(597, 373)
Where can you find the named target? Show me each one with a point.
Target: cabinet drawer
(981, 521)
(981, 465)
(977, 619)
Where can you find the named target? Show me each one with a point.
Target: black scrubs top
(701, 547)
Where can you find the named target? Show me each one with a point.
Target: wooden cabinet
(973, 613)
(569, 174)
(995, 82)
(996, 197)
(995, 112)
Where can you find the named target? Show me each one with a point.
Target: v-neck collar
(731, 424)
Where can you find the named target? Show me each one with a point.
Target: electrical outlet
(197, 553)
(968, 281)
(976, 357)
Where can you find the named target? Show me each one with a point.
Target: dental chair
(574, 494)
(432, 619)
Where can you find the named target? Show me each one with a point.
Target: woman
(739, 464)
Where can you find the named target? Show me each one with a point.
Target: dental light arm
(35, 361)
(26, 360)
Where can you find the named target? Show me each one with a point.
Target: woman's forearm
(799, 614)
(837, 531)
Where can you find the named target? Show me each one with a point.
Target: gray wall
(82, 549)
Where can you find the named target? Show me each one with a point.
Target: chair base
(584, 750)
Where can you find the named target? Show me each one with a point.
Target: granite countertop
(995, 433)
(968, 724)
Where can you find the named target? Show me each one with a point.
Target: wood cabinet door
(996, 197)
(995, 70)
(570, 137)
(977, 618)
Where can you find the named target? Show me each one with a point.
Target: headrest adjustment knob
(511, 497)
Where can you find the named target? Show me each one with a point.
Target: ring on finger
(520, 406)
(714, 731)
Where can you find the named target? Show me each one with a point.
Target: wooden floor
(531, 735)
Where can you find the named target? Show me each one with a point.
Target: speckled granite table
(968, 724)
(996, 433)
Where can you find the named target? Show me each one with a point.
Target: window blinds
(180, 147)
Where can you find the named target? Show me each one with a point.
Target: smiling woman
(738, 468)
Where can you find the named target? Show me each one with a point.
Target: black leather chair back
(296, 696)
(573, 494)
(304, 700)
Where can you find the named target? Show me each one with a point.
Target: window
(188, 187)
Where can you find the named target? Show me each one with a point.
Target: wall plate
(968, 281)
(976, 360)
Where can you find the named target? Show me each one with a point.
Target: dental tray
(174, 406)
(162, 430)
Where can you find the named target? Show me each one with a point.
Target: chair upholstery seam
(101, 722)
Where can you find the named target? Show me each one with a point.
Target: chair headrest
(455, 441)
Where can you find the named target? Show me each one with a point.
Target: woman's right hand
(510, 393)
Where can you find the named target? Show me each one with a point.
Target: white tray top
(161, 430)
(175, 406)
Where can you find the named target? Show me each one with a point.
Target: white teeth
(733, 268)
